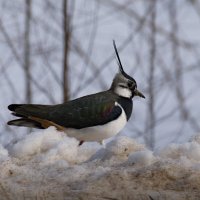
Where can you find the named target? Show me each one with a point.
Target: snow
(141, 158)
(48, 164)
(123, 145)
(3, 152)
(190, 150)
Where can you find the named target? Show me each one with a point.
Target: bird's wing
(84, 112)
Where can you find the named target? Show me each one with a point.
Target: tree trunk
(28, 93)
(66, 39)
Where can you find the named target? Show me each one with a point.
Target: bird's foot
(81, 142)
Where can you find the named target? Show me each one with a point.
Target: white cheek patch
(123, 92)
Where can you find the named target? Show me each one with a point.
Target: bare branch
(27, 65)
(151, 117)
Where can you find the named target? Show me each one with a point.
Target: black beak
(138, 93)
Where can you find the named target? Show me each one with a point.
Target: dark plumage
(87, 111)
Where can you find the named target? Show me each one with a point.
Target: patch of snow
(47, 163)
(3, 153)
(123, 145)
(141, 158)
(189, 150)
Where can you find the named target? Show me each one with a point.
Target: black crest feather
(118, 58)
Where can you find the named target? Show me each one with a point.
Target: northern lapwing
(93, 117)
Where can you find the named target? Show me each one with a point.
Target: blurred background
(54, 51)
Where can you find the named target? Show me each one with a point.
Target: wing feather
(84, 112)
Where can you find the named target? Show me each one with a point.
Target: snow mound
(187, 154)
(123, 145)
(117, 150)
(141, 158)
(49, 165)
(3, 153)
(51, 145)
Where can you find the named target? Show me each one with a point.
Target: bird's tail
(23, 120)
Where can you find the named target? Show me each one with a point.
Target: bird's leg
(81, 142)
(102, 143)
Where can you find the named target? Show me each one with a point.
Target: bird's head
(123, 84)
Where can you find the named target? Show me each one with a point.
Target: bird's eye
(131, 85)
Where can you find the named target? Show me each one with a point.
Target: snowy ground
(49, 165)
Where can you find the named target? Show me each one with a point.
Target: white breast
(99, 133)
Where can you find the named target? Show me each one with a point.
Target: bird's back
(87, 111)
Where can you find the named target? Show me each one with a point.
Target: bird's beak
(138, 93)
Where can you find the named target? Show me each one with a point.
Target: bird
(93, 117)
